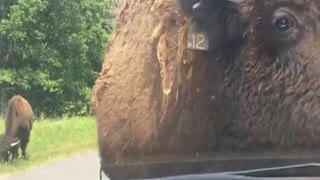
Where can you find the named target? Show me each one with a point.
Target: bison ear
(203, 9)
(15, 143)
(193, 8)
(215, 22)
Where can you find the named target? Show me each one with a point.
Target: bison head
(270, 55)
(7, 148)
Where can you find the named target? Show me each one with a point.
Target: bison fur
(19, 121)
(272, 77)
(258, 88)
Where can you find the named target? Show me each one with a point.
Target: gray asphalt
(80, 167)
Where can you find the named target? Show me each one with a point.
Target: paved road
(81, 167)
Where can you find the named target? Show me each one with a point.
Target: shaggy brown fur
(258, 88)
(19, 120)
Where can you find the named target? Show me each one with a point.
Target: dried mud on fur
(167, 38)
(148, 83)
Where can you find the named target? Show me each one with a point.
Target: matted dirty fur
(151, 97)
(155, 98)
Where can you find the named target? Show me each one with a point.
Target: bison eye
(284, 22)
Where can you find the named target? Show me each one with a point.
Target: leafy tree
(51, 51)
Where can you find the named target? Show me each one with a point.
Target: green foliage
(51, 51)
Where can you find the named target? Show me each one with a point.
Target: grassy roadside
(51, 140)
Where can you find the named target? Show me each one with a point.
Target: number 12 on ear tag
(197, 37)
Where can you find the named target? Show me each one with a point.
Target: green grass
(55, 139)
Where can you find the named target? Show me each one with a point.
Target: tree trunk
(154, 97)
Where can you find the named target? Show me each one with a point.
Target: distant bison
(258, 87)
(8, 148)
(19, 120)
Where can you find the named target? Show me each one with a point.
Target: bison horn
(236, 1)
(15, 143)
(199, 3)
(196, 5)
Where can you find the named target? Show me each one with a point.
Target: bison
(8, 148)
(270, 60)
(18, 121)
(256, 87)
